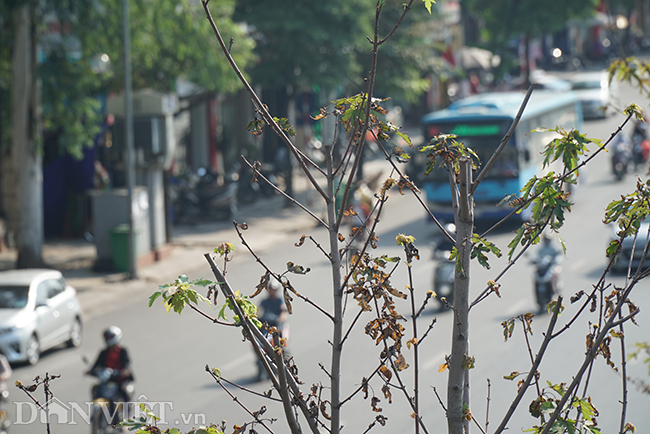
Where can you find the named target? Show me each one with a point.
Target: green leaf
(203, 282)
(153, 297)
(222, 312)
(406, 138)
(588, 411)
(428, 4)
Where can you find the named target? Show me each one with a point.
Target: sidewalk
(269, 222)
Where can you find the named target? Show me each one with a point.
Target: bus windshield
(483, 139)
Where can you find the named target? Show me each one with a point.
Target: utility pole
(128, 134)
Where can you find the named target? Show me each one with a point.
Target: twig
(319, 247)
(258, 103)
(360, 388)
(294, 201)
(623, 376)
(487, 410)
(589, 356)
(251, 391)
(429, 329)
(487, 291)
(530, 351)
(416, 353)
(283, 390)
(416, 193)
(424, 303)
(234, 398)
(563, 177)
(626, 318)
(504, 141)
(445, 409)
(533, 370)
(351, 326)
(212, 319)
(435, 391)
(257, 337)
(324, 370)
(276, 276)
(402, 387)
(399, 21)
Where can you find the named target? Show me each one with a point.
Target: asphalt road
(170, 352)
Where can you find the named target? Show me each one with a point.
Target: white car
(38, 311)
(594, 92)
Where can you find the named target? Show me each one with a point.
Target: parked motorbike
(217, 197)
(108, 406)
(204, 195)
(621, 156)
(547, 279)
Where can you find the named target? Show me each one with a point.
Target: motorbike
(4, 420)
(547, 279)
(445, 269)
(271, 320)
(443, 277)
(108, 402)
(640, 145)
(217, 197)
(621, 156)
(204, 195)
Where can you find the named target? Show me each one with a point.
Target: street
(169, 352)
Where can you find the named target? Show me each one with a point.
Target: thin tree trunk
(26, 158)
(337, 335)
(457, 388)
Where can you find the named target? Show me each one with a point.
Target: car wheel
(75, 334)
(33, 350)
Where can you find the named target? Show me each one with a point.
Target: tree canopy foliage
(504, 20)
(168, 42)
(295, 44)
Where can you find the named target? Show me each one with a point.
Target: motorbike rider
(641, 144)
(547, 249)
(116, 357)
(5, 374)
(274, 314)
(547, 274)
(274, 311)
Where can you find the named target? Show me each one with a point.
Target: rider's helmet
(112, 335)
(546, 239)
(275, 285)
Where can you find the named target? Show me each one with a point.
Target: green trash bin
(120, 246)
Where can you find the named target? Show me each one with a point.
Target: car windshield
(13, 297)
(581, 85)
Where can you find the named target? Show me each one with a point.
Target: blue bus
(480, 122)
